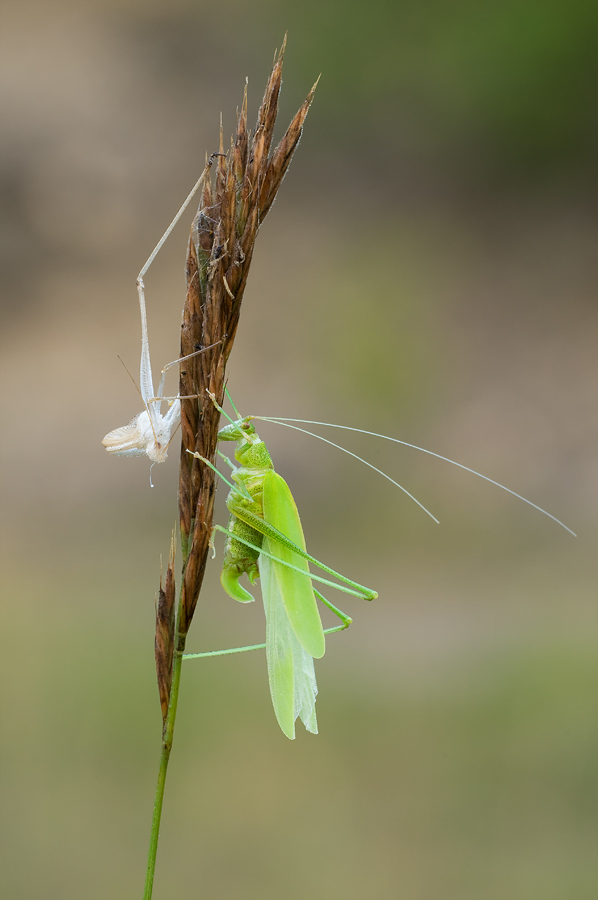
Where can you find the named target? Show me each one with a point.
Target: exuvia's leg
(172, 419)
(159, 399)
(145, 374)
(166, 234)
(146, 384)
(176, 362)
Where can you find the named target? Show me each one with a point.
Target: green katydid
(265, 540)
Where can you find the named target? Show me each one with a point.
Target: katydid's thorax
(253, 454)
(253, 482)
(255, 462)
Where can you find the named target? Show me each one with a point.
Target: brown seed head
(164, 640)
(233, 205)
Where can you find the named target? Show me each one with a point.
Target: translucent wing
(296, 590)
(290, 668)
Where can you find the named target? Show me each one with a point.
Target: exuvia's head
(158, 439)
(157, 451)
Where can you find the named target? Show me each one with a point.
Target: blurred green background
(429, 271)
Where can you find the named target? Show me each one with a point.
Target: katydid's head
(251, 451)
(241, 430)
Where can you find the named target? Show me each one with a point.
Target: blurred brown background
(429, 271)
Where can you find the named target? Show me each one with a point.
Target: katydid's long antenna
(414, 447)
(354, 455)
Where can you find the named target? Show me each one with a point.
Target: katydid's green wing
(290, 669)
(299, 600)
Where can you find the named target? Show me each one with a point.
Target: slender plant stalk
(234, 202)
(164, 759)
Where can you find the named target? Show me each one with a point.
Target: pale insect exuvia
(150, 433)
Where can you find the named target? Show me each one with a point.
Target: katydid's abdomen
(238, 557)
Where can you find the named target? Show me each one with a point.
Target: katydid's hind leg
(345, 619)
(363, 593)
(224, 652)
(270, 531)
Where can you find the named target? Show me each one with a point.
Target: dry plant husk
(165, 622)
(237, 194)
